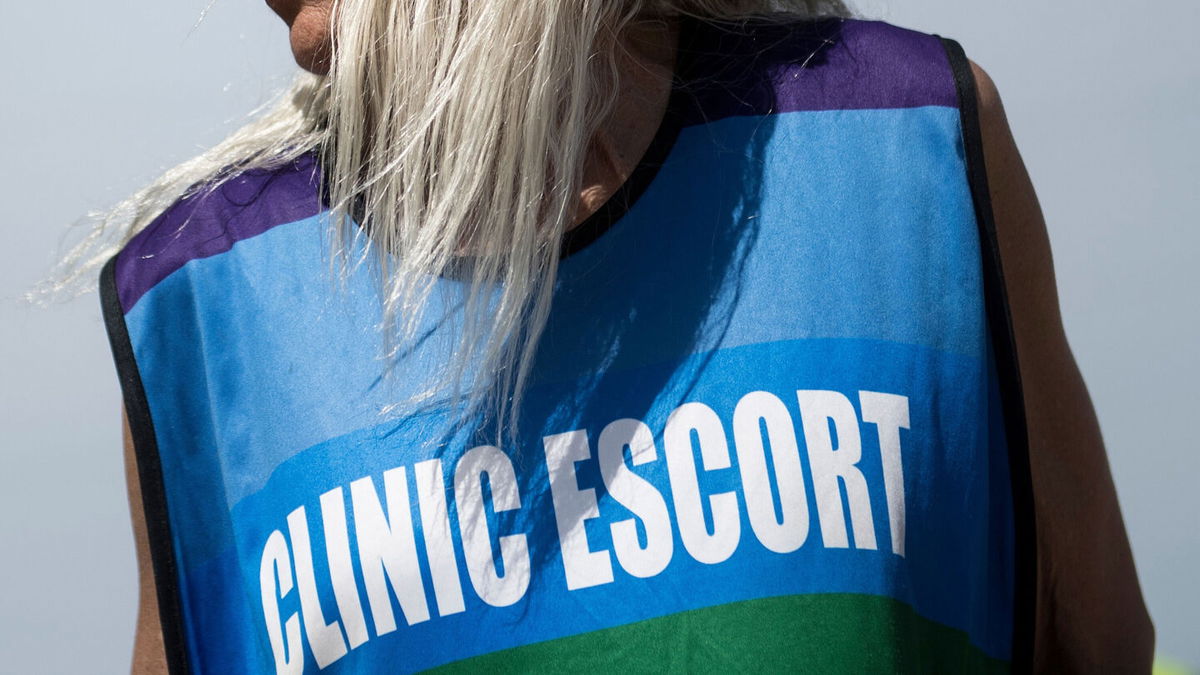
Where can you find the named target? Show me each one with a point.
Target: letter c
(288, 656)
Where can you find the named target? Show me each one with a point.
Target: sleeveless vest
(768, 424)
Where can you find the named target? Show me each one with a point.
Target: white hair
(453, 126)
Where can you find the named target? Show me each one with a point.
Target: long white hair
(452, 127)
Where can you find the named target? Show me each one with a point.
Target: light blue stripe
(886, 251)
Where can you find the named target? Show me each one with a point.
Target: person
(650, 334)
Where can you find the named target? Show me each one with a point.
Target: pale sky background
(100, 96)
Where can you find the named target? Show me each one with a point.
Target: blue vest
(764, 427)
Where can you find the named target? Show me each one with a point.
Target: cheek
(310, 37)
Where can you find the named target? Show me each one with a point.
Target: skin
(1090, 616)
(646, 62)
(308, 29)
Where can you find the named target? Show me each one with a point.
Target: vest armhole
(149, 469)
(1000, 326)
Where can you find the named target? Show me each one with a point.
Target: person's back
(774, 418)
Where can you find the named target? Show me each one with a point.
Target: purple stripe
(822, 65)
(211, 222)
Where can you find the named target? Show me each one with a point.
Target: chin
(311, 48)
(314, 59)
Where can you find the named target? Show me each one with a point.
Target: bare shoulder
(1020, 227)
(1090, 613)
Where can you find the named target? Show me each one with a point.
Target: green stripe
(840, 633)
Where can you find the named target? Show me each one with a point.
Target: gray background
(99, 96)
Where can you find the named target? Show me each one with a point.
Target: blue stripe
(807, 250)
(956, 570)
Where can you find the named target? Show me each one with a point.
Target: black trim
(150, 477)
(1004, 344)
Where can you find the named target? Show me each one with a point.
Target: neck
(646, 54)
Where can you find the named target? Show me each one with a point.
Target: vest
(768, 425)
